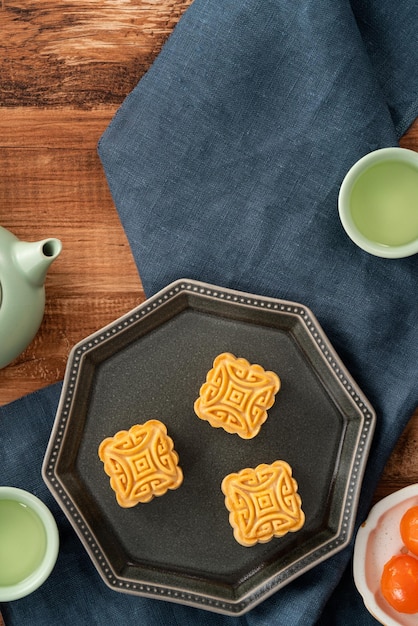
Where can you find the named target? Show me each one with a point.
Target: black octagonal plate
(150, 364)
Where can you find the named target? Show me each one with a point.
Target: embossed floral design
(141, 463)
(237, 395)
(263, 503)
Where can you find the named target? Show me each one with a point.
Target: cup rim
(377, 249)
(39, 576)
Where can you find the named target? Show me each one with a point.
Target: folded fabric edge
(408, 119)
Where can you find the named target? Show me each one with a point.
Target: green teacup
(378, 203)
(28, 543)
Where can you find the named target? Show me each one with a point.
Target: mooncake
(263, 503)
(141, 463)
(237, 395)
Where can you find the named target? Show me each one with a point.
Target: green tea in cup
(28, 543)
(22, 542)
(378, 203)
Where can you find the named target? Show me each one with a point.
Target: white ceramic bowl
(383, 155)
(37, 577)
(378, 539)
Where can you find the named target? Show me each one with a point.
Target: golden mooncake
(141, 463)
(263, 503)
(237, 395)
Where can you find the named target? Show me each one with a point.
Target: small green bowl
(363, 172)
(50, 544)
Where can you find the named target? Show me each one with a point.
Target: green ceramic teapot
(23, 267)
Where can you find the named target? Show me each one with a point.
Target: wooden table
(65, 70)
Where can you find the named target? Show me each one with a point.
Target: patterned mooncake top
(263, 503)
(141, 463)
(237, 395)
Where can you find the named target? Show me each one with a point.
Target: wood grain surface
(65, 70)
(80, 53)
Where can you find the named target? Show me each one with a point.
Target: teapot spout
(34, 258)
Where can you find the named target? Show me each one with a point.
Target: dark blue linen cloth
(225, 164)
